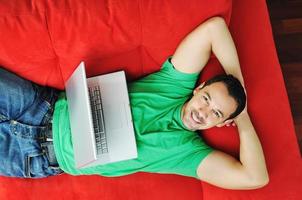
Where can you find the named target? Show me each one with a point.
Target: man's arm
(223, 170)
(194, 51)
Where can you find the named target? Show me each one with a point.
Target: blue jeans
(25, 119)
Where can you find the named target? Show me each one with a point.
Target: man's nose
(203, 112)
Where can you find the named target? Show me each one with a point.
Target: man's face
(210, 106)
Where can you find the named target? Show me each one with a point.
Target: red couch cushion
(45, 40)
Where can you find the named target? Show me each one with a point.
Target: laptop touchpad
(114, 116)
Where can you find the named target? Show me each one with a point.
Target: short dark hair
(235, 90)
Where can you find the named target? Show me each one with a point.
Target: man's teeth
(195, 118)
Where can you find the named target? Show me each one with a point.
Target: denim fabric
(25, 114)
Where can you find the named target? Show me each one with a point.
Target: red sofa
(44, 40)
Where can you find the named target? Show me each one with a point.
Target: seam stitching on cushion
(55, 53)
(141, 37)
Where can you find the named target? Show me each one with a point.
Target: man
(165, 120)
(219, 168)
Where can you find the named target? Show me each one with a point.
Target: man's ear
(229, 121)
(198, 88)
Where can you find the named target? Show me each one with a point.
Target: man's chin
(193, 128)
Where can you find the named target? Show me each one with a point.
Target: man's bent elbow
(215, 23)
(260, 182)
(265, 181)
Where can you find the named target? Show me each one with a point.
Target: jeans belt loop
(48, 134)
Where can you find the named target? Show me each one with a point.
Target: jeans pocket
(26, 131)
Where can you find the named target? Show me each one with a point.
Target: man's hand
(244, 111)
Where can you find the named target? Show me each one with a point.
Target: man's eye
(205, 98)
(216, 113)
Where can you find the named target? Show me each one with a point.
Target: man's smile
(195, 119)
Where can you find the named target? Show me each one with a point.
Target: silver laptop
(100, 118)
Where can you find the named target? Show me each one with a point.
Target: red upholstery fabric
(44, 40)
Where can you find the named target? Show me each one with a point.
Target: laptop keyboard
(98, 119)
